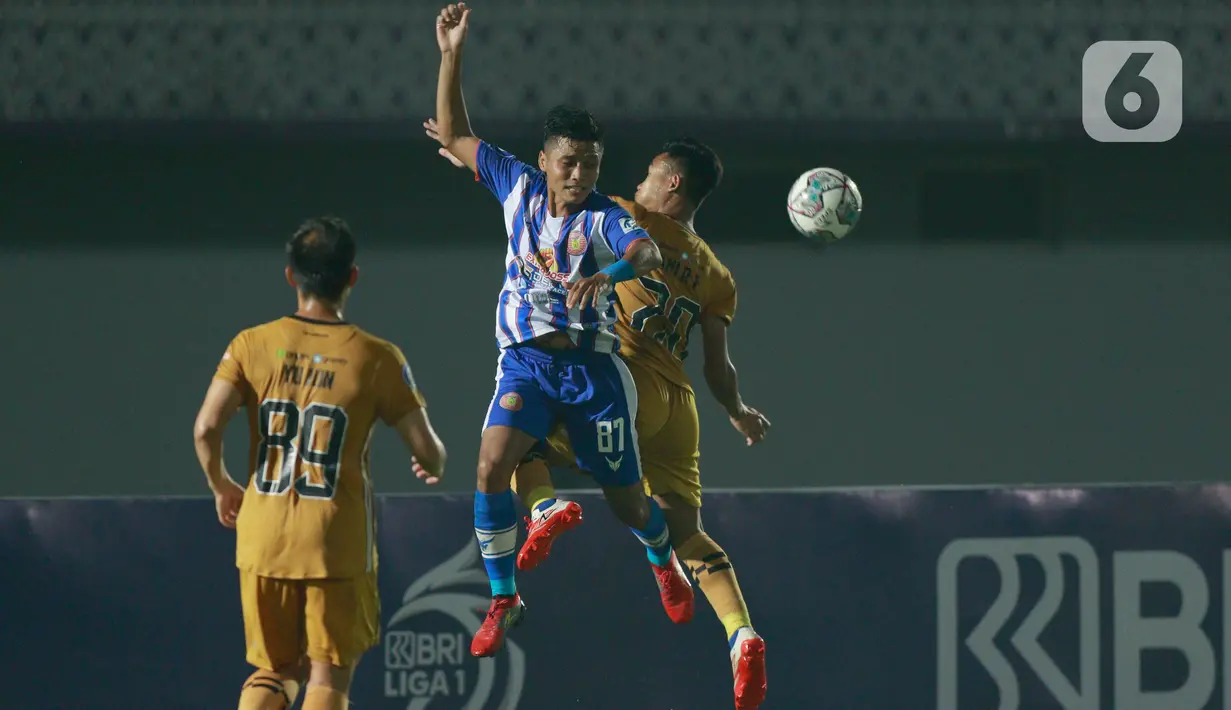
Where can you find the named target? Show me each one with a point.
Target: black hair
(700, 165)
(321, 255)
(571, 123)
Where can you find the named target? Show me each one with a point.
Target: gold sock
(539, 495)
(267, 691)
(716, 577)
(532, 483)
(319, 697)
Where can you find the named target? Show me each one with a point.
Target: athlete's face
(660, 181)
(571, 167)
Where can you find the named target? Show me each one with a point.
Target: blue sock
(654, 536)
(495, 526)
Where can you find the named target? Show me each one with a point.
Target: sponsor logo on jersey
(549, 267)
(534, 275)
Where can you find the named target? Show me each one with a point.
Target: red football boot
(504, 614)
(543, 529)
(675, 589)
(748, 659)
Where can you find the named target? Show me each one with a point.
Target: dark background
(1019, 304)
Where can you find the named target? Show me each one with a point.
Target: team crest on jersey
(577, 243)
(628, 224)
(510, 401)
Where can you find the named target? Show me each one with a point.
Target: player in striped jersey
(567, 247)
(656, 316)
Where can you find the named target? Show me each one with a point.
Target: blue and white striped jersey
(546, 253)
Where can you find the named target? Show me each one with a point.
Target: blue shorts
(591, 393)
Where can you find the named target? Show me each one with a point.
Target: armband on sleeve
(621, 270)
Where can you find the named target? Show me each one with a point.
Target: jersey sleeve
(398, 395)
(620, 230)
(722, 298)
(498, 170)
(231, 366)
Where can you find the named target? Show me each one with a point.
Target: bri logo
(426, 644)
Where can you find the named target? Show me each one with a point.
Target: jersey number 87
(299, 439)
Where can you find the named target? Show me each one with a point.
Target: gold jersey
(314, 391)
(657, 312)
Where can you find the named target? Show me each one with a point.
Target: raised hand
(451, 26)
(433, 132)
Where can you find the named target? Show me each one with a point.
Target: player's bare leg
(646, 519)
(271, 690)
(328, 687)
(716, 577)
(495, 526)
(549, 518)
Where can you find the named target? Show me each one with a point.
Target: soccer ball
(824, 204)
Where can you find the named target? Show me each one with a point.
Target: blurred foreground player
(314, 387)
(656, 314)
(567, 246)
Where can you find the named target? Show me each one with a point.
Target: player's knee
(326, 675)
(269, 690)
(701, 554)
(629, 505)
(493, 474)
(637, 516)
(683, 518)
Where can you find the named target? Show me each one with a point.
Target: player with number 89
(314, 387)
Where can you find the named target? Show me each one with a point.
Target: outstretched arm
(452, 124)
(720, 373)
(641, 256)
(723, 381)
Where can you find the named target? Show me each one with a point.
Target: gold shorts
(668, 437)
(329, 620)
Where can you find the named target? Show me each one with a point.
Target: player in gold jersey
(314, 386)
(655, 316)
